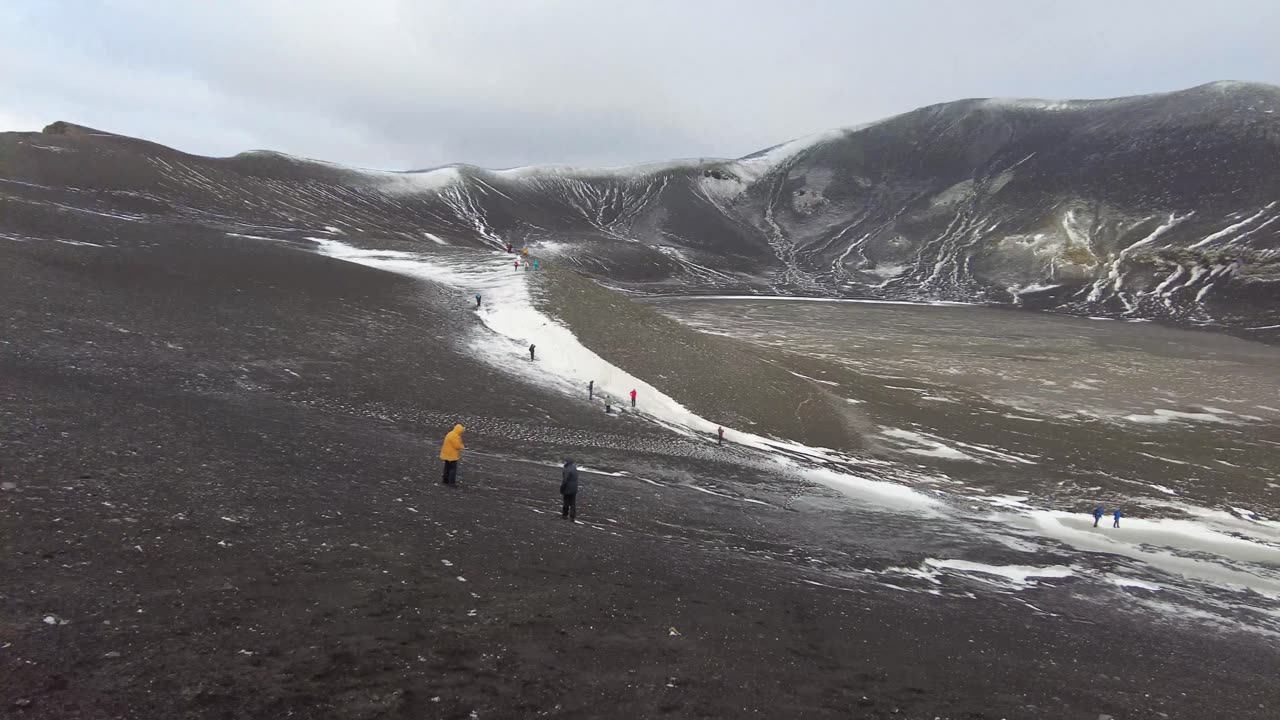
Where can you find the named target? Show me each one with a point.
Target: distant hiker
(450, 453)
(1097, 515)
(569, 490)
(477, 300)
(591, 390)
(633, 398)
(720, 436)
(1118, 515)
(526, 252)
(535, 264)
(526, 266)
(532, 347)
(516, 263)
(509, 248)
(608, 407)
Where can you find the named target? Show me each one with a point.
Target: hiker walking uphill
(1118, 515)
(477, 300)
(1097, 515)
(451, 453)
(719, 436)
(591, 390)
(532, 347)
(633, 398)
(569, 490)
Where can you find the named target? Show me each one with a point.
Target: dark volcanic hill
(1157, 206)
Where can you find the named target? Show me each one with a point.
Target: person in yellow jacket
(450, 453)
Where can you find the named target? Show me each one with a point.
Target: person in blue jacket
(1097, 515)
(1118, 515)
(569, 490)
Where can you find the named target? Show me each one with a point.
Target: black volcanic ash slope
(1158, 206)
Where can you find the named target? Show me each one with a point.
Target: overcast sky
(401, 84)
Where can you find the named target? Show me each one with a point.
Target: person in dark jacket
(532, 347)
(569, 490)
(591, 390)
(719, 436)
(477, 300)
(1097, 515)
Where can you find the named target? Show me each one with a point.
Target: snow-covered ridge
(746, 168)
(1058, 105)
(576, 171)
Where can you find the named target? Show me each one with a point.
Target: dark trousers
(633, 402)
(450, 476)
(570, 509)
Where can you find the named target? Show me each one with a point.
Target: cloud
(400, 84)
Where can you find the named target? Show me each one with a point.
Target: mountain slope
(1160, 206)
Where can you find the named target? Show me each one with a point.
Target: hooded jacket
(569, 479)
(452, 449)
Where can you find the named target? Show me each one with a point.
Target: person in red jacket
(633, 398)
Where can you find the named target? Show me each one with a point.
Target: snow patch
(1178, 547)
(408, 183)
(925, 445)
(806, 377)
(799, 298)
(1019, 575)
(1164, 417)
(1128, 582)
(885, 271)
(883, 494)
